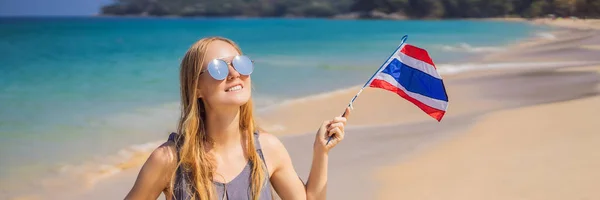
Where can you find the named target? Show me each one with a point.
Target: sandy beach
(537, 152)
(540, 151)
(525, 132)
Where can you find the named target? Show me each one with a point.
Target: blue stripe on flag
(416, 81)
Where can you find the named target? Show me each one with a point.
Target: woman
(218, 151)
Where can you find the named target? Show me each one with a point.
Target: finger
(339, 125)
(339, 133)
(334, 132)
(326, 123)
(339, 119)
(336, 137)
(347, 112)
(324, 126)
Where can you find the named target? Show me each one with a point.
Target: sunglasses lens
(243, 65)
(218, 69)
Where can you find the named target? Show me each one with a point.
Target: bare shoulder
(162, 162)
(164, 156)
(274, 151)
(155, 174)
(270, 142)
(283, 176)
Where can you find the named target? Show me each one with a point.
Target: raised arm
(316, 186)
(284, 178)
(154, 177)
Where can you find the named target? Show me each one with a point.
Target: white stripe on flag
(434, 103)
(414, 63)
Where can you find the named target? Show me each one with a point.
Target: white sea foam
(466, 67)
(546, 35)
(88, 173)
(286, 61)
(287, 102)
(465, 47)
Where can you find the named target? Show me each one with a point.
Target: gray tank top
(237, 188)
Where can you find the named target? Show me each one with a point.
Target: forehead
(220, 49)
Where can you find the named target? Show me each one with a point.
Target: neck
(222, 126)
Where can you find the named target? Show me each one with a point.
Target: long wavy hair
(198, 164)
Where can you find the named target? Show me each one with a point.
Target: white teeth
(234, 88)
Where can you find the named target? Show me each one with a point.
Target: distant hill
(357, 8)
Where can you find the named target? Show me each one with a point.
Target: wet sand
(366, 149)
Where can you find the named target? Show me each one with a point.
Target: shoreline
(283, 112)
(374, 15)
(278, 112)
(505, 19)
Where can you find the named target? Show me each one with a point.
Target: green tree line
(363, 8)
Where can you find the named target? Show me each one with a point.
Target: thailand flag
(410, 73)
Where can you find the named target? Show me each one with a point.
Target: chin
(236, 99)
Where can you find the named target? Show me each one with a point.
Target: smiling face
(234, 90)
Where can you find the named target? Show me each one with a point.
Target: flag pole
(371, 79)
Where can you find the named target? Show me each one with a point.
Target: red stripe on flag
(435, 113)
(417, 53)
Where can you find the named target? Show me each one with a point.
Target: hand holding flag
(331, 129)
(411, 73)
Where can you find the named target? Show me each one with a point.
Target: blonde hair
(193, 158)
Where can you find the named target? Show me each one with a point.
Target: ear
(199, 93)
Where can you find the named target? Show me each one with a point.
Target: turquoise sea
(77, 93)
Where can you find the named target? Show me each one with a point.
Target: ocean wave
(262, 101)
(465, 67)
(286, 61)
(465, 47)
(87, 174)
(546, 35)
(292, 101)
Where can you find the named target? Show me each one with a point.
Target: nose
(232, 72)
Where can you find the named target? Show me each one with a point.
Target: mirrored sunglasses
(219, 69)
